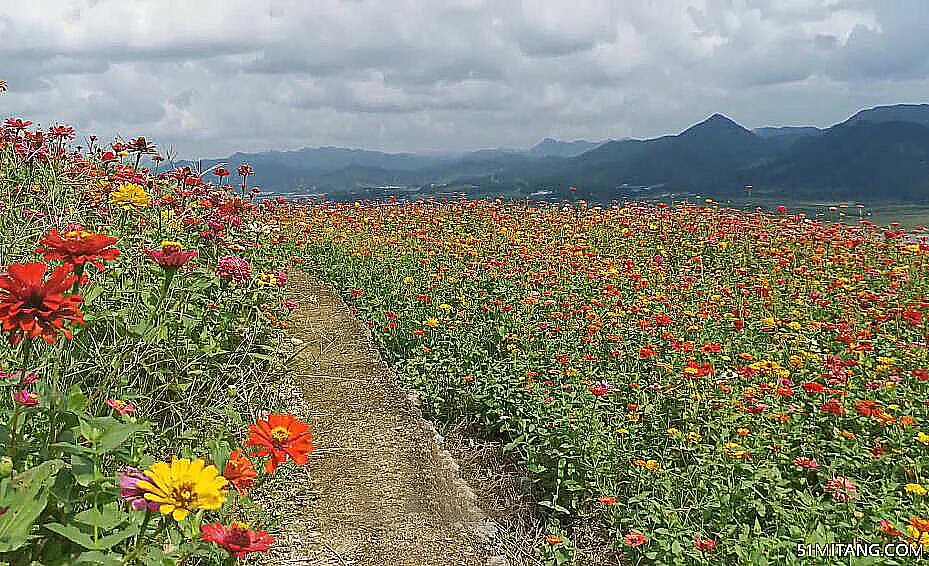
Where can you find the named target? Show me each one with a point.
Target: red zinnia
(78, 247)
(635, 539)
(704, 544)
(237, 538)
(30, 307)
(240, 472)
(279, 437)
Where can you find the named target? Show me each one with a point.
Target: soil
(380, 489)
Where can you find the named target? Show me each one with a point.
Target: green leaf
(77, 402)
(97, 557)
(24, 502)
(83, 539)
(82, 468)
(73, 534)
(107, 517)
(118, 433)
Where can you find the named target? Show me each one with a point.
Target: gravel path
(379, 490)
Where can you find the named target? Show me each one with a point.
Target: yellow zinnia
(184, 486)
(130, 195)
(915, 489)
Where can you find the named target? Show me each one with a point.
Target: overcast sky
(210, 77)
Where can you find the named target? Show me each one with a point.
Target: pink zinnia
(171, 257)
(842, 489)
(234, 269)
(26, 398)
(121, 407)
(130, 491)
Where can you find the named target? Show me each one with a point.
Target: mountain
(706, 154)
(553, 148)
(912, 113)
(879, 153)
(786, 131)
(874, 160)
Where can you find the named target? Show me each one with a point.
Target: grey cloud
(216, 76)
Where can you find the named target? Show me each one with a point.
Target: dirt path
(379, 490)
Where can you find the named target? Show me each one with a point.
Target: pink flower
(26, 398)
(170, 257)
(130, 491)
(121, 407)
(842, 489)
(290, 305)
(234, 269)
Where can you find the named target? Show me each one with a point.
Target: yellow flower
(130, 195)
(184, 486)
(409, 280)
(918, 537)
(736, 452)
(445, 307)
(432, 323)
(923, 437)
(743, 432)
(674, 433)
(915, 489)
(694, 437)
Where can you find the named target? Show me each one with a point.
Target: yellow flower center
(170, 247)
(79, 235)
(280, 433)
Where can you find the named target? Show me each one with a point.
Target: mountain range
(880, 153)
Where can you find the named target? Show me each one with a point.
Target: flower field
(684, 384)
(687, 383)
(141, 314)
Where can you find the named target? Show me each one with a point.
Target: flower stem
(14, 423)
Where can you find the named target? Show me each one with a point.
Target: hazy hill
(553, 148)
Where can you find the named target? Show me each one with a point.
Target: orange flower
(240, 472)
(279, 437)
(920, 524)
(553, 540)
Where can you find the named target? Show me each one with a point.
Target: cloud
(215, 76)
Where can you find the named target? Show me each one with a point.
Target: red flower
(704, 544)
(834, 407)
(279, 437)
(170, 256)
(867, 408)
(600, 390)
(237, 538)
(221, 172)
(635, 539)
(240, 472)
(78, 247)
(607, 501)
(33, 309)
(813, 388)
